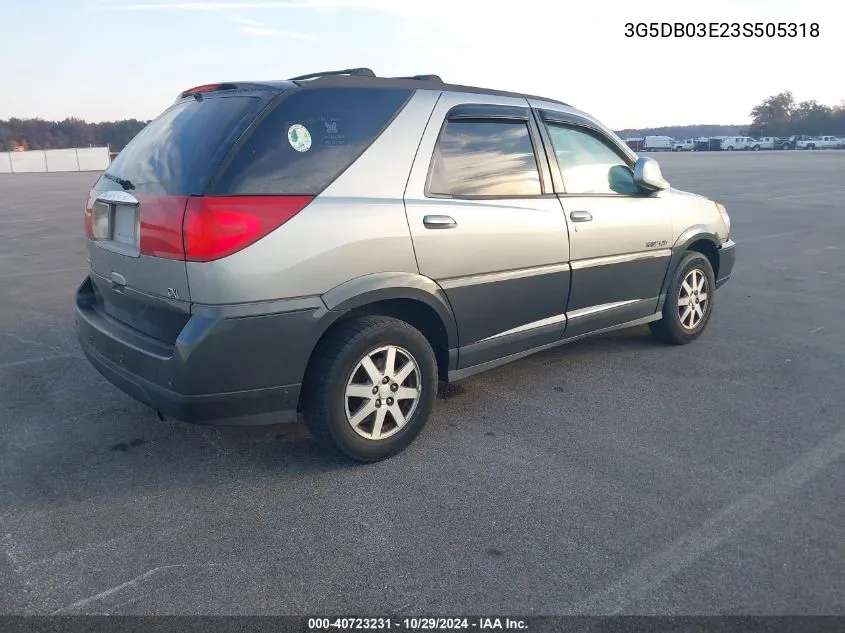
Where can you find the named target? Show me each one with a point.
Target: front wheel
(689, 301)
(371, 388)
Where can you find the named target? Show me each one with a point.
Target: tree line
(778, 115)
(40, 134)
(683, 131)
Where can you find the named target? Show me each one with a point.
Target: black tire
(669, 328)
(324, 401)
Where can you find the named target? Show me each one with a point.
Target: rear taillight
(161, 221)
(216, 227)
(201, 229)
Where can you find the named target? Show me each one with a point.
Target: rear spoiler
(197, 91)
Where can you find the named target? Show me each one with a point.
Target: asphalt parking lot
(615, 475)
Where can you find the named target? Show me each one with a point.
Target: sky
(113, 59)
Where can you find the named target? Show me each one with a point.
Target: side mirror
(647, 174)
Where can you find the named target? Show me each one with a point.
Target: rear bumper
(237, 407)
(727, 258)
(220, 370)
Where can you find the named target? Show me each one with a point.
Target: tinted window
(485, 158)
(309, 139)
(176, 153)
(588, 165)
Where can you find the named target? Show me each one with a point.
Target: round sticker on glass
(299, 138)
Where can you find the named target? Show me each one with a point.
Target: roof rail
(424, 78)
(359, 72)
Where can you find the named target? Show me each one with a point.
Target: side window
(485, 158)
(309, 139)
(588, 165)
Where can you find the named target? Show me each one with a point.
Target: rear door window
(489, 158)
(309, 139)
(177, 153)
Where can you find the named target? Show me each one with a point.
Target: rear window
(177, 152)
(309, 139)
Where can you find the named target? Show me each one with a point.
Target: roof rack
(423, 78)
(359, 72)
(433, 79)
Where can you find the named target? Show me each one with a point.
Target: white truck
(819, 142)
(658, 144)
(687, 145)
(769, 142)
(736, 143)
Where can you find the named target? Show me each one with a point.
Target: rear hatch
(136, 211)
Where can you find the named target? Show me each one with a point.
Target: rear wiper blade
(123, 182)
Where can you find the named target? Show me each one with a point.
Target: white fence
(52, 160)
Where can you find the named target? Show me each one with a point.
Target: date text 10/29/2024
(417, 624)
(785, 30)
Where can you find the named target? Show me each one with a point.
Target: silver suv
(336, 244)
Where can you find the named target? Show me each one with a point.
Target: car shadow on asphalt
(78, 437)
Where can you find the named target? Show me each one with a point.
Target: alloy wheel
(693, 298)
(382, 392)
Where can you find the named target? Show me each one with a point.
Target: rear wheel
(371, 388)
(689, 301)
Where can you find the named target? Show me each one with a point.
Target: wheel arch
(415, 299)
(697, 239)
(709, 249)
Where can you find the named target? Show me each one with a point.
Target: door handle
(439, 222)
(580, 216)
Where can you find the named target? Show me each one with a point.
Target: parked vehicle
(635, 144)
(659, 144)
(732, 143)
(794, 141)
(769, 142)
(687, 145)
(708, 144)
(336, 243)
(820, 142)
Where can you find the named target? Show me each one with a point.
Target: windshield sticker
(299, 138)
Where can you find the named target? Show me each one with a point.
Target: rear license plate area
(125, 225)
(116, 227)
